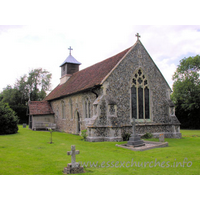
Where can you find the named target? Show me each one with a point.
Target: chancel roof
(87, 78)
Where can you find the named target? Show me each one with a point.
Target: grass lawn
(29, 152)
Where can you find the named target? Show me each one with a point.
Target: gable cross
(70, 49)
(73, 153)
(138, 36)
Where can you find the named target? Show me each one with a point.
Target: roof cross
(138, 36)
(70, 49)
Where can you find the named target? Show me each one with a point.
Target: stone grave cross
(135, 140)
(133, 127)
(73, 153)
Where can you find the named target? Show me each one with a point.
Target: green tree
(8, 120)
(34, 85)
(186, 92)
(38, 83)
(22, 88)
(9, 95)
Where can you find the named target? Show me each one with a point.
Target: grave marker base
(73, 170)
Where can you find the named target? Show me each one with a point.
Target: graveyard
(31, 152)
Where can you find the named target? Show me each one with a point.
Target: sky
(95, 31)
(24, 48)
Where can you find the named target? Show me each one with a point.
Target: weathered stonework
(117, 88)
(110, 114)
(74, 106)
(73, 170)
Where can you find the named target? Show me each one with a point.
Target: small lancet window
(63, 110)
(87, 108)
(86, 112)
(71, 108)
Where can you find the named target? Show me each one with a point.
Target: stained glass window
(134, 101)
(140, 103)
(146, 93)
(140, 80)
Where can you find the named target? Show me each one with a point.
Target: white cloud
(27, 47)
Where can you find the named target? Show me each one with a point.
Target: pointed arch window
(140, 103)
(63, 110)
(86, 112)
(71, 108)
(87, 108)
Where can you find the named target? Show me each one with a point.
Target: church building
(105, 98)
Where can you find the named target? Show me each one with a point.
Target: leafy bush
(8, 120)
(84, 134)
(126, 136)
(147, 136)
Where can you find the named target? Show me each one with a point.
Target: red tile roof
(86, 78)
(40, 108)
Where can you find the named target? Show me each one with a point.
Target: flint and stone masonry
(133, 88)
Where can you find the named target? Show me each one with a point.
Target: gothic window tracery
(140, 96)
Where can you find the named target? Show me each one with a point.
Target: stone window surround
(115, 110)
(95, 109)
(172, 111)
(71, 109)
(146, 85)
(86, 108)
(63, 109)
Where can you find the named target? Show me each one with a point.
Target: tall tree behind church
(186, 92)
(35, 86)
(38, 83)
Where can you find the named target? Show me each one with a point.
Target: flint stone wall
(111, 111)
(69, 124)
(117, 89)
